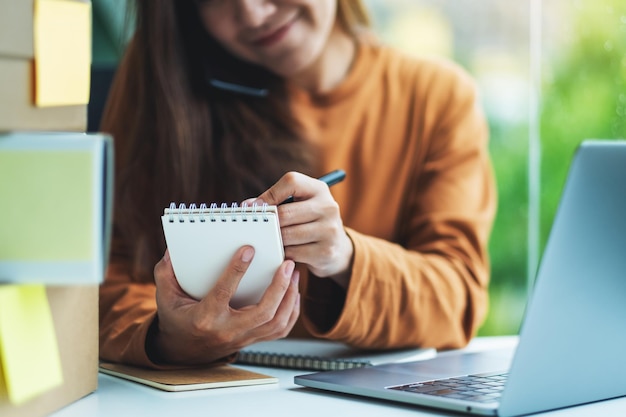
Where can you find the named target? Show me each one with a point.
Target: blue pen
(331, 178)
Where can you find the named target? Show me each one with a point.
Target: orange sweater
(418, 203)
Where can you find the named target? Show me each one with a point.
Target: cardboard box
(16, 28)
(75, 315)
(17, 111)
(74, 308)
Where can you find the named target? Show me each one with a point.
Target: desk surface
(119, 398)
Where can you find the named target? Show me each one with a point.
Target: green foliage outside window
(583, 97)
(584, 93)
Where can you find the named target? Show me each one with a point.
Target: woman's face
(284, 36)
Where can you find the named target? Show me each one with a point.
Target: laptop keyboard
(482, 388)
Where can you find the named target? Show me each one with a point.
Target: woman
(226, 100)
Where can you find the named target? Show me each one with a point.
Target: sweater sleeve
(127, 310)
(430, 287)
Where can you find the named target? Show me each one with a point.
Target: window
(551, 73)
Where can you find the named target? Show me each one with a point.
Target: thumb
(222, 292)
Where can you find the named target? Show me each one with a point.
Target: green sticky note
(29, 353)
(55, 215)
(46, 212)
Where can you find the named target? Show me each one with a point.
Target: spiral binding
(213, 213)
(303, 362)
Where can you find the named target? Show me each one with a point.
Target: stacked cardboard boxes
(44, 76)
(18, 73)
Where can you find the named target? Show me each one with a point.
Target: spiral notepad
(202, 240)
(323, 355)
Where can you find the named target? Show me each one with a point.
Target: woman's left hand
(311, 226)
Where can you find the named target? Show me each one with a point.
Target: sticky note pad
(48, 213)
(55, 211)
(29, 354)
(62, 43)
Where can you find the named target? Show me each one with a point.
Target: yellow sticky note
(46, 211)
(62, 37)
(29, 352)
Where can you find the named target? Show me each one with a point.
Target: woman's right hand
(191, 332)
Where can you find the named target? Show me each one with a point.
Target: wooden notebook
(188, 379)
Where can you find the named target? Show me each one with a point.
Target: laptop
(572, 344)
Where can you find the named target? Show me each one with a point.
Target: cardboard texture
(16, 28)
(17, 111)
(75, 315)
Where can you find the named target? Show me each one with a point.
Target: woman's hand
(200, 332)
(311, 226)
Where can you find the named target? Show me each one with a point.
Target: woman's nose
(254, 13)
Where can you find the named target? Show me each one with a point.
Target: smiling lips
(275, 36)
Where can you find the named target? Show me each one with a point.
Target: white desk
(119, 398)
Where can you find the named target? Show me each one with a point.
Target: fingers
(249, 201)
(220, 295)
(288, 311)
(323, 226)
(279, 286)
(307, 233)
(193, 331)
(312, 231)
(292, 184)
(275, 321)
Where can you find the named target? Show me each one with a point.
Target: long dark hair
(179, 139)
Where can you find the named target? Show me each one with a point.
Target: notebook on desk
(571, 345)
(175, 380)
(323, 355)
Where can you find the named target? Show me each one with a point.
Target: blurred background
(551, 73)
